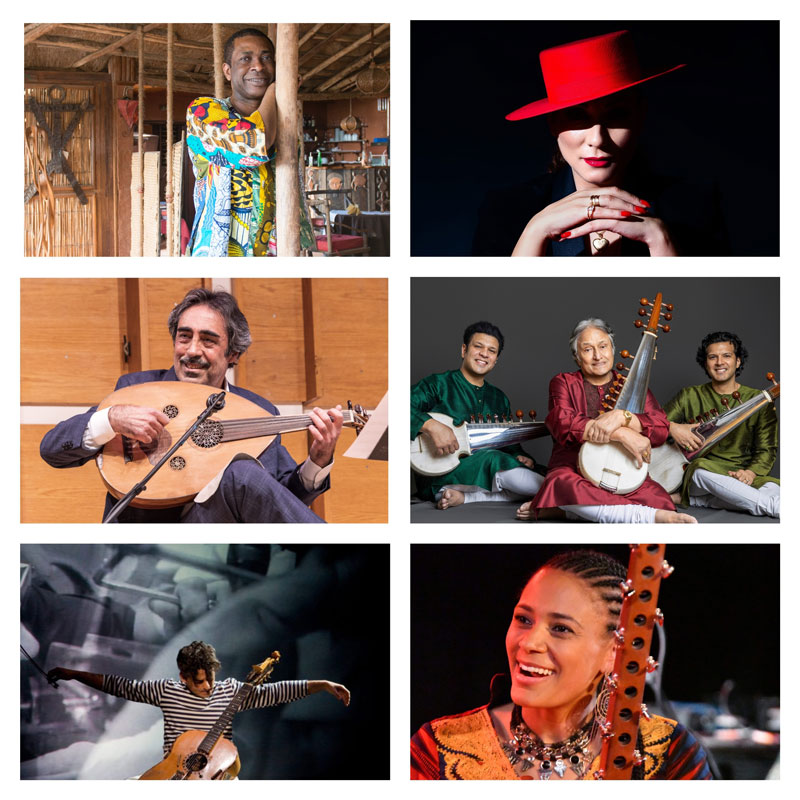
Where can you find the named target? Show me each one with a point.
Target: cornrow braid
(600, 571)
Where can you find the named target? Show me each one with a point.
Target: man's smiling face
(252, 68)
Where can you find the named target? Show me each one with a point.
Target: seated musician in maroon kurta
(574, 417)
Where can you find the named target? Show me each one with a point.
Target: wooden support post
(168, 193)
(310, 360)
(139, 246)
(219, 78)
(287, 189)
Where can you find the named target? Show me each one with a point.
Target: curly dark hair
(722, 336)
(225, 305)
(227, 53)
(600, 571)
(197, 656)
(488, 329)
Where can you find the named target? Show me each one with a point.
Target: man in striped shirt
(196, 702)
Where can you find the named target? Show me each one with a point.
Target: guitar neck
(488, 435)
(234, 429)
(224, 719)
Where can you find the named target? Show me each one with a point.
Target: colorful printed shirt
(466, 747)
(234, 193)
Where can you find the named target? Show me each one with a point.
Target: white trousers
(510, 485)
(627, 512)
(709, 490)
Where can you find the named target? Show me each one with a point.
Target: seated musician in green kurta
(734, 475)
(505, 474)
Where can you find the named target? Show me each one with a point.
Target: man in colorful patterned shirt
(196, 702)
(231, 142)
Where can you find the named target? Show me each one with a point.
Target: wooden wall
(315, 342)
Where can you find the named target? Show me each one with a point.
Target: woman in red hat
(597, 202)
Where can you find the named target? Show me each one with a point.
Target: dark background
(716, 118)
(537, 315)
(721, 609)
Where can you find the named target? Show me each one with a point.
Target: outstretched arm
(336, 689)
(92, 679)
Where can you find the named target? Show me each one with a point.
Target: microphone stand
(214, 403)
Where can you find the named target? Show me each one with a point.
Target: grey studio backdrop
(536, 316)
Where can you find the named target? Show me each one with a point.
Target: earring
(603, 697)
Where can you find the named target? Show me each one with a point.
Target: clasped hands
(618, 212)
(610, 428)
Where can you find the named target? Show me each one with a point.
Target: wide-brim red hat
(586, 70)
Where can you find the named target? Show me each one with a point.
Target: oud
(204, 755)
(471, 437)
(632, 661)
(610, 466)
(240, 426)
(668, 462)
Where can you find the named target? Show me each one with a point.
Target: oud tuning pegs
(480, 417)
(771, 377)
(472, 418)
(349, 405)
(532, 415)
(519, 414)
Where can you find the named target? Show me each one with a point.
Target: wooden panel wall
(71, 339)
(328, 333)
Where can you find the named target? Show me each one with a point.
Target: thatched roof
(331, 54)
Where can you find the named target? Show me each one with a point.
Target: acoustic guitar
(668, 462)
(610, 466)
(204, 755)
(240, 426)
(471, 436)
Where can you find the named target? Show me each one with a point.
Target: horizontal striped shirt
(184, 711)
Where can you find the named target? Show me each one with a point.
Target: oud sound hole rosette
(209, 434)
(178, 462)
(170, 411)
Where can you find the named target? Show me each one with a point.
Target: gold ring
(595, 199)
(589, 212)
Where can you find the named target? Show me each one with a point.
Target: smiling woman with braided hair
(541, 723)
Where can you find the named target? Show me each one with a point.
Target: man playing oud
(196, 702)
(502, 474)
(209, 335)
(734, 474)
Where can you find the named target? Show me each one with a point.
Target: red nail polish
(645, 203)
(625, 213)
(566, 234)
(638, 209)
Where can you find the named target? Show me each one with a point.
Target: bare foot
(676, 498)
(450, 498)
(525, 511)
(674, 516)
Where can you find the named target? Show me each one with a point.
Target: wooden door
(83, 219)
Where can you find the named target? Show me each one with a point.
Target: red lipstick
(597, 162)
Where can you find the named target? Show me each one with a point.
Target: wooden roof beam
(113, 47)
(33, 32)
(350, 68)
(305, 56)
(308, 34)
(344, 52)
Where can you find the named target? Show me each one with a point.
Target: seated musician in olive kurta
(505, 474)
(734, 475)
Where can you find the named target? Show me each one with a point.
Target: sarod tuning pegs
(651, 665)
(658, 616)
(771, 377)
(666, 569)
